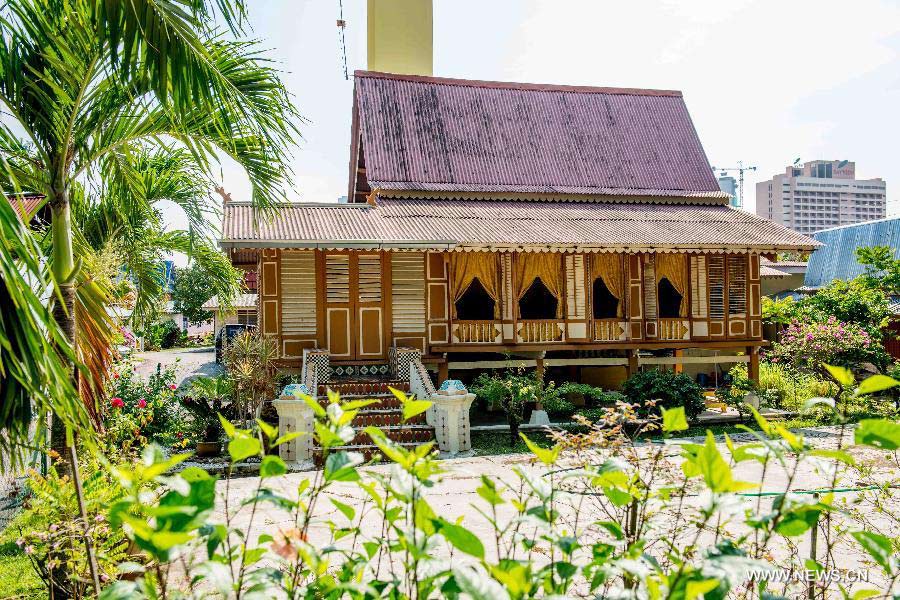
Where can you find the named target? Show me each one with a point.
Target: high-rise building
(820, 194)
(728, 184)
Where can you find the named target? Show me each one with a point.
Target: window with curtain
(672, 285)
(475, 304)
(540, 276)
(669, 300)
(538, 302)
(465, 269)
(606, 306)
(608, 275)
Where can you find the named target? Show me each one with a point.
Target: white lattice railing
(476, 332)
(674, 329)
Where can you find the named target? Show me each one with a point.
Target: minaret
(400, 36)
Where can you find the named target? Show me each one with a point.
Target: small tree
(194, 287)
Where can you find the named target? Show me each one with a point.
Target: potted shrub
(209, 397)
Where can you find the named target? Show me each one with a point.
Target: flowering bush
(807, 345)
(141, 411)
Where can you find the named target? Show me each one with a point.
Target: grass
(490, 443)
(17, 577)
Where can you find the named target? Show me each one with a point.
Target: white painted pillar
(449, 415)
(295, 416)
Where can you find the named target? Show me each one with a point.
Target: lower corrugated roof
(518, 224)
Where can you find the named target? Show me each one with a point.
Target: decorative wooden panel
(576, 297)
(337, 278)
(339, 331)
(408, 292)
(371, 342)
(339, 305)
(635, 303)
(437, 298)
(716, 277)
(755, 315)
(507, 301)
(270, 296)
(650, 308)
(299, 298)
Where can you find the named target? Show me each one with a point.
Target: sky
(765, 81)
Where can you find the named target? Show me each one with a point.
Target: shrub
(51, 532)
(141, 411)
(807, 345)
(161, 335)
(250, 365)
(667, 389)
(558, 407)
(593, 396)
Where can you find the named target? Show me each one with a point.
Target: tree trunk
(64, 307)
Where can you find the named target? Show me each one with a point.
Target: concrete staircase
(386, 414)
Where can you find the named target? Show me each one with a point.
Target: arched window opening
(669, 300)
(606, 306)
(475, 304)
(537, 302)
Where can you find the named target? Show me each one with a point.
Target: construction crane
(740, 169)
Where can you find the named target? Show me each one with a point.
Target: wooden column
(539, 374)
(632, 362)
(443, 370)
(753, 366)
(679, 368)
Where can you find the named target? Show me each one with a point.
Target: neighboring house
(565, 226)
(245, 311)
(31, 207)
(836, 259)
(781, 278)
(179, 319)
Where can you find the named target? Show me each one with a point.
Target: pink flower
(173, 387)
(117, 402)
(115, 375)
(142, 403)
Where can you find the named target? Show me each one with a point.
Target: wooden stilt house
(569, 225)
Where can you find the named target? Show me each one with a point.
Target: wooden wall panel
(339, 332)
(576, 297)
(409, 299)
(270, 296)
(755, 312)
(717, 295)
(299, 302)
(699, 297)
(650, 307)
(507, 299)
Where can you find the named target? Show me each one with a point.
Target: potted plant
(209, 397)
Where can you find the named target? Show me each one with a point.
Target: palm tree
(89, 83)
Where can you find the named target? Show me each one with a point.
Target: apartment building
(820, 194)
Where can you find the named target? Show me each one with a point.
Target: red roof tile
(25, 204)
(437, 134)
(441, 223)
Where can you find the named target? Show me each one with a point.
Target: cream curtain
(609, 268)
(674, 268)
(465, 267)
(546, 265)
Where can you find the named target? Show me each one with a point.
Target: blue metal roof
(837, 258)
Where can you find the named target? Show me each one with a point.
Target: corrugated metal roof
(767, 271)
(836, 259)
(514, 223)
(240, 301)
(437, 134)
(25, 204)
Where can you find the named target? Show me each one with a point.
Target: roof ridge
(511, 85)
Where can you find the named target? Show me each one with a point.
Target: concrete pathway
(191, 363)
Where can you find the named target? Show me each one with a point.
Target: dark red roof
(454, 135)
(26, 204)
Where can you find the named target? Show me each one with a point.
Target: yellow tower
(400, 36)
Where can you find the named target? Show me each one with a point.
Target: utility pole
(740, 170)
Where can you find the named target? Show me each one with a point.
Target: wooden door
(354, 305)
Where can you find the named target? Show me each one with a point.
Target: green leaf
(674, 419)
(842, 375)
(545, 455)
(341, 466)
(614, 528)
(697, 589)
(876, 383)
(878, 547)
(345, 509)
(461, 538)
(270, 432)
(707, 461)
(287, 437)
(813, 402)
(478, 585)
(243, 446)
(272, 466)
(879, 433)
(488, 491)
(227, 426)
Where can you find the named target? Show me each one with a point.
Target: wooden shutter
(737, 296)
(298, 293)
(634, 305)
(650, 309)
(699, 297)
(438, 298)
(370, 278)
(337, 278)
(716, 272)
(576, 297)
(755, 312)
(408, 292)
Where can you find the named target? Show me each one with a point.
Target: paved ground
(191, 362)
(454, 496)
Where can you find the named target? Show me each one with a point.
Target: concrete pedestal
(449, 415)
(295, 416)
(539, 417)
